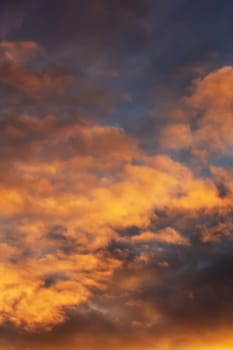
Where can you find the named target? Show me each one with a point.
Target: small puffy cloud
(213, 91)
(203, 121)
(19, 51)
(212, 102)
(167, 235)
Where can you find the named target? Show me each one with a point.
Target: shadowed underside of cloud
(110, 237)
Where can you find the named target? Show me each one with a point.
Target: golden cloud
(73, 185)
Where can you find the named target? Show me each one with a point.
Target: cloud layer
(116, 215)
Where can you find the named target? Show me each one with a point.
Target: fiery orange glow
(116, 197)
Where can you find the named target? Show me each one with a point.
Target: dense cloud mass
(116, 178)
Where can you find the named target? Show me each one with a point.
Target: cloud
(176, 136)
(65, 214)
(19, 52)
(101, 236)
(168, 235)
(207, 123)
(31, 84)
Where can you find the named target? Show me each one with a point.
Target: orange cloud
(168, 235)
(20, 51)
(176, 136)
(70, 187)
(213, 98)
(88, 213)
(204, 120)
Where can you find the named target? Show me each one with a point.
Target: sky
(116, 175)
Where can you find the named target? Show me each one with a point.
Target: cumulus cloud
(206, 116)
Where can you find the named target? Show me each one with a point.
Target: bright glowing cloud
(116, 187)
